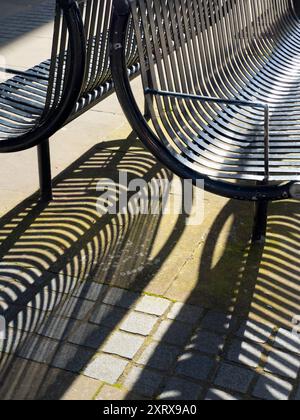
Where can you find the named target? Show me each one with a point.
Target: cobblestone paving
(158, 349)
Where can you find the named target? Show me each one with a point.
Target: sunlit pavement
(134, 306)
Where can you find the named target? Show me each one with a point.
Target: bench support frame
(44, 162)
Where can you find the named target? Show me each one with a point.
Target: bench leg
(260, 222)
(44, 161)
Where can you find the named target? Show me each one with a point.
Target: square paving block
(185, 313)
(159, 356)
(91, 291)
(119, 297)
(109, 316)
(206, 342)
(234, 378)
(56, 328)
(153, 305)
(38, 349)
(284, 364)
(272, 388)
(72, 358)
(245, 353)
(75, 308)
(288, 341)
(255, 331)
(219, 322)
(106, 368)
(215, 394)
(143, 381)
(124, 345)
(194, 366)
(139, 323)
(89, 335)
(173, 332)
(180, 390)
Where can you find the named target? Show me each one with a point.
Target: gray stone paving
(180, 389)
(146, 355)
(124, 345)
(255, 331)
(139, 323)
(106, 368)
(284, 364)
(248, 354)
(272, 388)
(143, 381)
(153, 305)
(234, 378)
(286, 340)
(215, 394)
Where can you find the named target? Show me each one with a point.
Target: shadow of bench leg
(260, 222)
(44, 160)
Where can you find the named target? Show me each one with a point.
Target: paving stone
(194, 366)
(108, 316)
(89, 335)
(124, 345)
(72, 358)
(287, 340)
(215, 394)
(106, 368)
(13, 339)
(297, 396)
(282, 363)
(27, 319)
(75, 308)
(180, 390)
(218, 322)
(185, 313)
(272, 388)
(38, 349)
(255, 331)
(234, 378)
(56, 328)
(245, 353)
(143, 381)
(121, 298)
(153, 305)
(207, 342)
(173, 332)
(47, 300)
(139, 323)
(81, 389)
(21, 379)
(58, 384)
(91, 291)
(159, 356)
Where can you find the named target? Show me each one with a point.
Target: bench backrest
(96, 16)
(186, 45)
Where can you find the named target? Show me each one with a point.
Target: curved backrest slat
(96, 16)
(203, 47)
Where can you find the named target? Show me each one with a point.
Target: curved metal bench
(35, 104)
(222, 82)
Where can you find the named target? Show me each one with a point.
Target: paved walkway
(142, 307)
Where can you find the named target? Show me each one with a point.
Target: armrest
(52, 122)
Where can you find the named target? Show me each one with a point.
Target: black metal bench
(222, 82)
(37, 103)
